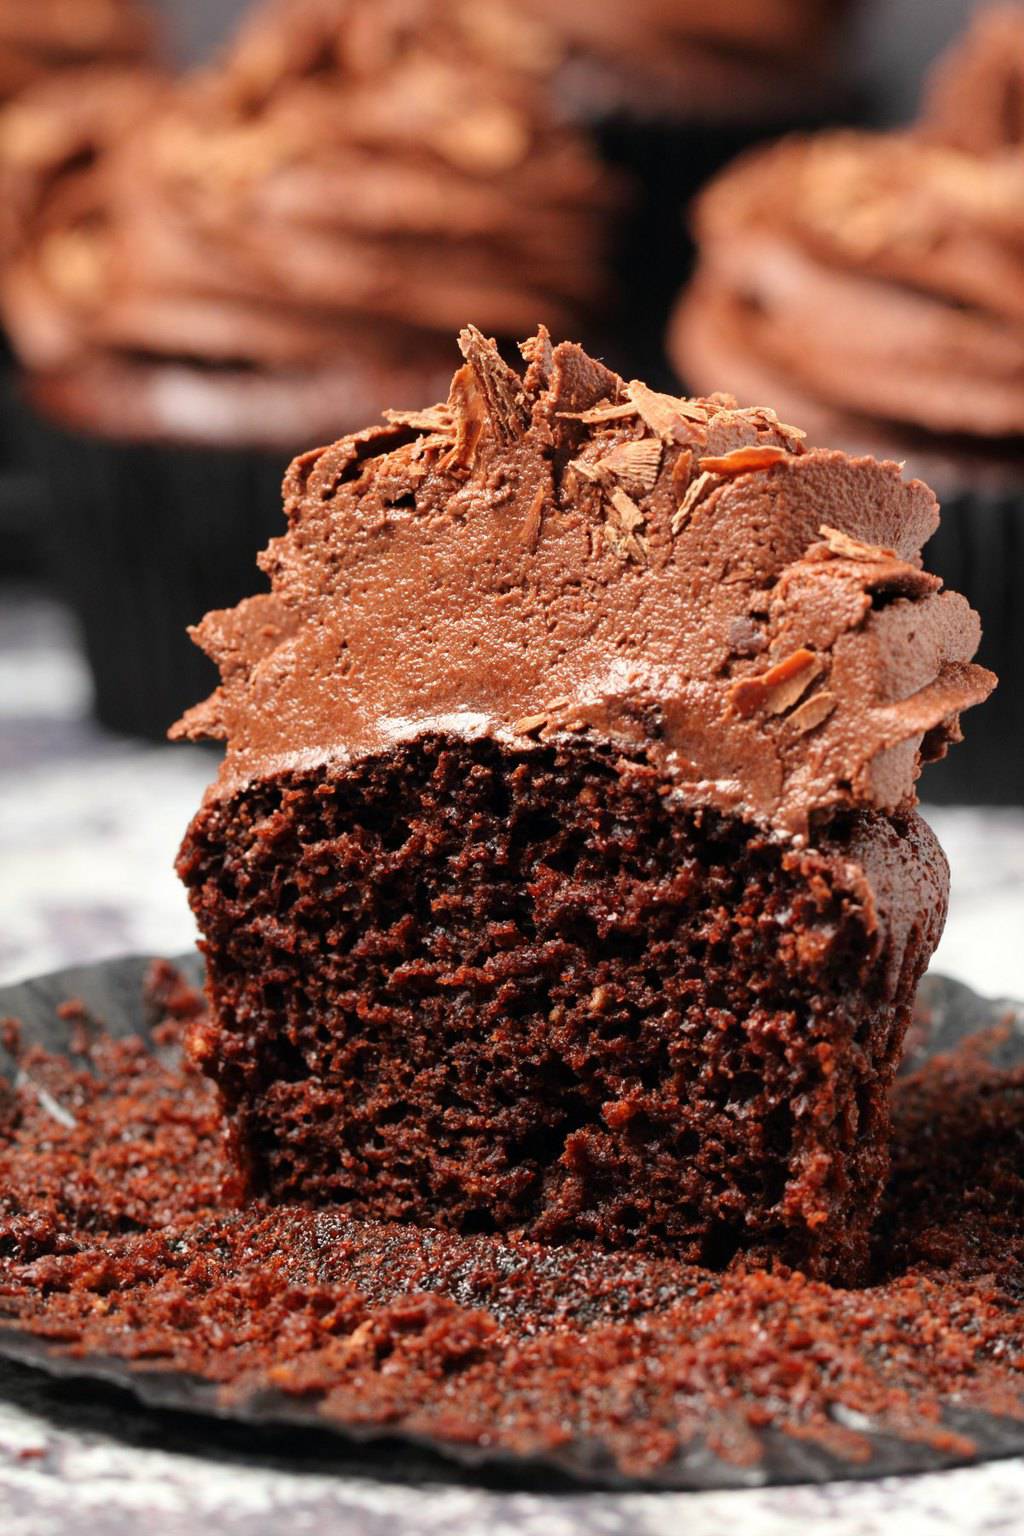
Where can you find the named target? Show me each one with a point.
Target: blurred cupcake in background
(38, 38)
(673, 90)
(870, 287)
(57, 46)
(278, 250)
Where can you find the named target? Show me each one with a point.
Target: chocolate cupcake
(277, 251)
(870, 285)
(562, 875)
(43, 41)
(673, 90)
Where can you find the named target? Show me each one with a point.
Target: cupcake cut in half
(562, 875)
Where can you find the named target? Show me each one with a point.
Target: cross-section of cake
(562, 875)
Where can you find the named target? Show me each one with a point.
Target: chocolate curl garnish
(501, 387)
(467, 409)
(779, 688)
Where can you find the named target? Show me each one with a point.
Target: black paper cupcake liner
(979, 551)
(146, 538)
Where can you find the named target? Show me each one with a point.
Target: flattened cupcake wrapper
(146, 538)
(979, 551)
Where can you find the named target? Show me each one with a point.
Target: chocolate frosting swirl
(879, 274)
(353, 178)
(39, 37)
(567, 552)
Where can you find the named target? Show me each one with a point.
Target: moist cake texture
(562, 876)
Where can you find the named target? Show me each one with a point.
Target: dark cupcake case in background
(979, 551)
(667, 163)
(24, 522)
(144, 541)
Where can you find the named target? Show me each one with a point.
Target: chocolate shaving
(779, 688)
(848, 548)
(768, 421)
(621, 530)
(701, 487)
(438, 418)
(672, 419)
(586, 471)
(682, 471)
(468, 411)
(743, 461)
(630, 516)
(600, 413)
(539, 356)
(529, 725)
(506, 405)
(811, 713)
(637, 462)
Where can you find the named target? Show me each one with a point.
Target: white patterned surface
(88, 830)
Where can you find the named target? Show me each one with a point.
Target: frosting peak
(564, 551)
